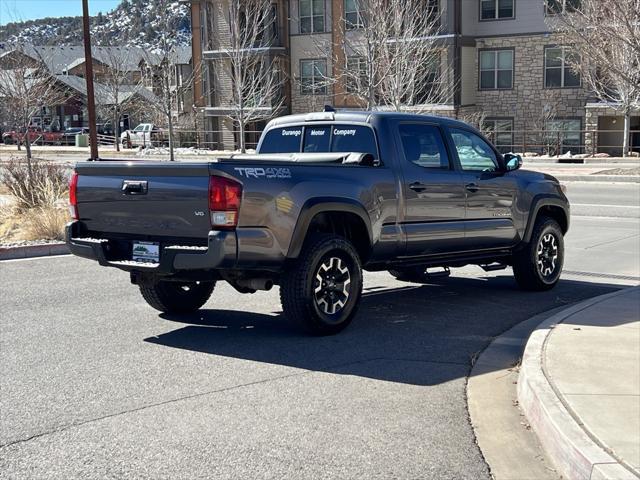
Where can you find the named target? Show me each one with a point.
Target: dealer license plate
(146, 252)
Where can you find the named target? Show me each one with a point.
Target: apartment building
(503, 63)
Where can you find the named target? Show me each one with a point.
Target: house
(123, 77)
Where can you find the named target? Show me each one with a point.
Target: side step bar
(445, 272)
(493, 267)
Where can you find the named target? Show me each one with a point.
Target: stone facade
(529, 104)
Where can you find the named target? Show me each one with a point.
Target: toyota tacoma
(327, 195)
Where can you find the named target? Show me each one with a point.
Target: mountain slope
(140, 23)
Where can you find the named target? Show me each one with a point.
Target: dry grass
(41, 185)
(45, 223)
(41, 223)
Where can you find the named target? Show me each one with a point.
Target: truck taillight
(225, 196)
(73, 196)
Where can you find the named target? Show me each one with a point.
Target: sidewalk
(579, 386)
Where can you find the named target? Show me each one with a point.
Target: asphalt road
(95, 384)
(604, 199)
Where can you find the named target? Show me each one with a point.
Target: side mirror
(512, 161)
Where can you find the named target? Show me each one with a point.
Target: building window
(557, 68)
(554, 7)
(356, 74)
(311, 16)
(563, 134)
(500, 132)
(313, 74)
(432, 10)
(428, 90)
(496, 69)
(352, 15)
(496, 9)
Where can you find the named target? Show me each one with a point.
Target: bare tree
(26, 86)
(393, 59)
(116, 85)
(605, 40)
(257, 78)
(478, 119)
(168, 84)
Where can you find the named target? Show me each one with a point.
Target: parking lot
(95, 384)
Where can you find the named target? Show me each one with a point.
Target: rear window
(282, 140)
(321, 139)
(317, 139)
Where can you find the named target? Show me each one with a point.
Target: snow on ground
(183, 151)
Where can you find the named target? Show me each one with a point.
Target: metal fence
(199, 139)
(559, 142)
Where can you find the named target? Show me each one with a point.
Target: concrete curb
(574, 453)
(599, 178)
(29, 251)
(511, 450)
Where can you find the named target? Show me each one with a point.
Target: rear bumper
(221, 252)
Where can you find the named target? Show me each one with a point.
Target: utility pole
(88, 72)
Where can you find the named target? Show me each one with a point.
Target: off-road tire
(177, 297)
(304, 298)
(411, 274)
(526, 267)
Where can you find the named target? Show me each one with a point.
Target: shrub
(45, 223)
(46, 184)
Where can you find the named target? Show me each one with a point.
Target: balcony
(272, 44)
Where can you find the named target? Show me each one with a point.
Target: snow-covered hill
(141, 23)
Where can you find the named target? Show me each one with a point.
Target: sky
(16, 10)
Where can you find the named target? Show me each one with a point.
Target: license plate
(146, 252)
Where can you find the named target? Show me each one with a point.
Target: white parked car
(145, 134)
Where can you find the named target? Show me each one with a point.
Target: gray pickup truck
(327, 195)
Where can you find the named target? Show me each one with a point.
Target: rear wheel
(322, 290)
(539, 264)
(177, 297)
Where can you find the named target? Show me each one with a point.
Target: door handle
(472, 187)
(134, 187)
(418, 187)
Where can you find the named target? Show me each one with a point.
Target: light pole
(88, 72)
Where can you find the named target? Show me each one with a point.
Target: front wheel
(322, 290)
(539, 264)
(177, 297)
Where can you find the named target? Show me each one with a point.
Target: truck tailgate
(144, 198)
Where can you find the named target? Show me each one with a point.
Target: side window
(423, 145)
(282, 140)
(474, 153)
(317, 139)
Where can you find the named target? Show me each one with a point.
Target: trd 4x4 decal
(259, 172)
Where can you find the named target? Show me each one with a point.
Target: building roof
(103, 94)
(180, 55)
(59, 60)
